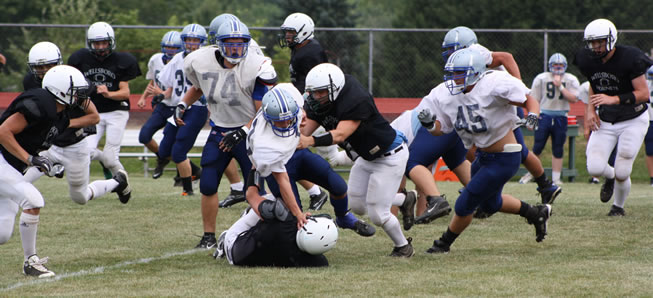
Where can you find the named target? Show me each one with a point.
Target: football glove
(40, 162)
(532, 121)
(57, 170)
(233, 137)
(180, 110)
(426, 119)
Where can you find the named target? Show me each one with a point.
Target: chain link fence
(389, 62)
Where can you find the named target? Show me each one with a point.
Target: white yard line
(100, 270)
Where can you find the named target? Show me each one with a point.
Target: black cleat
(540, 221)
(436, 207)
(439, 247)
(160, 166)
(177, 182)
(617, 211)
(35, 267)
(317, 201)
(349, 221)
(594, 180)
(480, 214)
(123, 189)
(549, 193)
(207, 242)
(405, 251)
(235, 197)
(606, 190)
(408, 209)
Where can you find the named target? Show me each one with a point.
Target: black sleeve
(128, 67)
(31, 110)
(640, 65)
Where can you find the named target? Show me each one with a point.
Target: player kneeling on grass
(478, 105)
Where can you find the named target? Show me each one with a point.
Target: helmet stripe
(282, 102)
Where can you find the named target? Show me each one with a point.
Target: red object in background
(571, 120)
(443, 173)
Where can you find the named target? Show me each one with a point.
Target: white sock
(399, 199)
(393, 229)
(101, 187)
(555, 176)
(237, 186)
(28, 226)
(608, 172)
(315, 190)
(621, 191)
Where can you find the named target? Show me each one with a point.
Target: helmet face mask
(323, 84)
(280, 110)
(457, 38)
(68, 85)
(600, 37)
(558, 64)
(193, 36)
(463, 69)
(233, 41)
(296, 29)
(171, 44)
(100, 39)
(42, 57)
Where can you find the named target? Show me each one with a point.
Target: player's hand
(603, 99)
(102, 90)
(141, 102)
(302, 219)
(532, 121)
(557, 80)
(232, 138)
(153, 89)
(179, 113)
(42, 163)
(426, 119)
(57, 170)
(592, 121)
(305, 142)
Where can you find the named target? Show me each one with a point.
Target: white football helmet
(97, 32)
(317, 236)
(597, 30)
(43, 54)
(457, 38)
(278, 106)
(558, 59)
(324, 76)
(299, 23)
(67, 83)
(467, 65)
(216, 23)
(233, 52)
(193, 31)
(172, 39)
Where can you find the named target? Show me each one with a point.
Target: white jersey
(549, 95)
(584, 92)
(173, 76)
(268, 152)
(228, 91)
(154, 68)
(408, 124)
(482, 116)
(487, 55)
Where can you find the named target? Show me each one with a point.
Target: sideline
(100, 270)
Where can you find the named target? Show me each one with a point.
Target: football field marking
(101, 269)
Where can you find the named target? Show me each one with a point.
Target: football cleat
(123, 189)
(408, 209)
(317, 201)
(439, 247)
(187, 193)
(540, 221)
(528, 177)
(177, 182)
(480, 214)
(594, 180)
(606, 190)
(549, 193)
(207, 242)
(36, 267)
(349, 221)
(160, 167)
(405, 251)
(234, 197)
(617, 211)
(436, 207)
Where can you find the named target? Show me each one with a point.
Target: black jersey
(614, 78)
(39, 108)
(302, 60)
(374, 135)
(110, 71)
(31, 82)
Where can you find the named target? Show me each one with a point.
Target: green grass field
(144, 248)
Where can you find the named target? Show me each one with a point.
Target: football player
(178, 140)
(171, 44)
(462, 37)
(109, 72)
(347, 111)
(234, 84)
(28, 126)
(648, 140)
(469, 103)
(70, 147)
(554, 90)
(620, 92)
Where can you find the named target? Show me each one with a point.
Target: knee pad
(6, 229)
(595, 168)
(378, 217)
(80, 194)
(145, 135)
(31, 197)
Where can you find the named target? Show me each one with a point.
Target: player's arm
(508, 61)
(191, 96)
(289, 197)
(592, 121)
(119, 95)
(569, 95)
(531, 105)
(308, 125)
(344, 129)
(8, 129)
(639, 95)
(91, 117)
(146, 93)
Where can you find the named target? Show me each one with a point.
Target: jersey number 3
(470, 121)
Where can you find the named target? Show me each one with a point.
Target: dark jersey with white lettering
(302, 60)
(110, 71)
(373, 136)
(31, 82)
(613, 78)
(39, 108)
